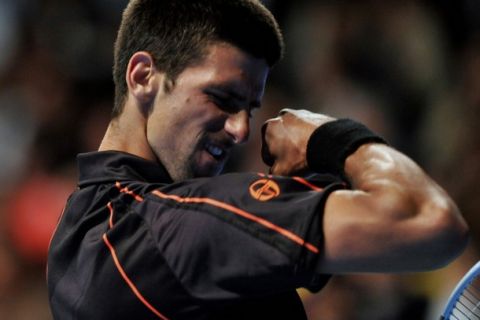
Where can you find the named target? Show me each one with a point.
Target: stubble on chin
(180, 171)
(183, 168)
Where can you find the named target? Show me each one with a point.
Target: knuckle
(269, 124)
(285, 111)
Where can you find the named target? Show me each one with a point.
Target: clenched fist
(285, 138)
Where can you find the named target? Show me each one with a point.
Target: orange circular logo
(264, 189)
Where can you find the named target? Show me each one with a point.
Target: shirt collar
(111, 166)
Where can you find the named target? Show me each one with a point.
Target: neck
(127, 133)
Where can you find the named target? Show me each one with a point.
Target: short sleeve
(241, 234)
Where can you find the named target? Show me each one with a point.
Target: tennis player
(154, 231)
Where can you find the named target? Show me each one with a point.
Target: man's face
(193, 127)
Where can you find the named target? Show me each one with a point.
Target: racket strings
(467, 306)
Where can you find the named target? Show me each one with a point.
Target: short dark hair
(177, 32)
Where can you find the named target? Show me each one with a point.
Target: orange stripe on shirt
(288, 234)
(128, 281)
(308, 184)
(298, 179)
(110, 208)
(128, 191)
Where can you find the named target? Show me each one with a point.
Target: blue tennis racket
(464, 302)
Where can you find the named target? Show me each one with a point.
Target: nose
(237, 126)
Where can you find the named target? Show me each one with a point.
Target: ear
(142, 78)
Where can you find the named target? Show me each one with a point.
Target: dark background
(408, 69)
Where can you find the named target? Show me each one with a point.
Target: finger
(279, 170)
(270, 137)
(284, 111)
(294, 112)
(267, 157)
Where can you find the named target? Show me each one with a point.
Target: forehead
(225, 64)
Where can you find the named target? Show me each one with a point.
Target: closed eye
(224, 101)
(231, 102)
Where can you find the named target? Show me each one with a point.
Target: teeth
(215, 151)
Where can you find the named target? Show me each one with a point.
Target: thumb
(267, 157)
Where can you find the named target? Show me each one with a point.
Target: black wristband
(331, 143)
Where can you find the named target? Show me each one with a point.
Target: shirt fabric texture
(132, 244)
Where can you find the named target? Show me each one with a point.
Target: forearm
(393, 179)
(395, 218)
(395, 182)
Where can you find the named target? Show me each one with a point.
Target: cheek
(160, 131)
(185, 118)
(206, 117)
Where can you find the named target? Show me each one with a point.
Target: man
(154, 232)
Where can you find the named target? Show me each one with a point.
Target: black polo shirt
(133, 245)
